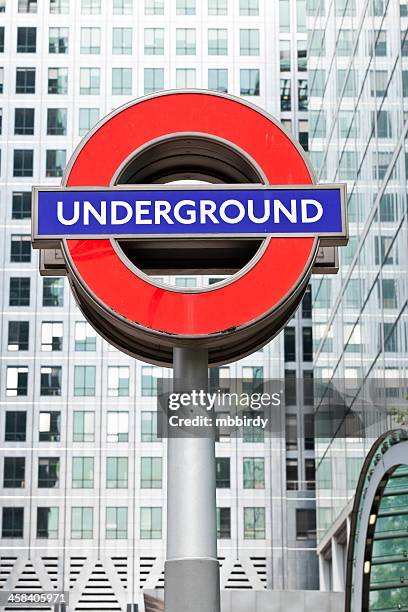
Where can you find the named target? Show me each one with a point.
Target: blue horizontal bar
(146, 212)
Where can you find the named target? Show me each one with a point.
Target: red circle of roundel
(251, 295)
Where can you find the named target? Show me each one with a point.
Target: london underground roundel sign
(188, 182)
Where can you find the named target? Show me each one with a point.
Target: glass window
(309, 430)
(149, 426)
(346, 8)
(83, 426)
(150, 374)
(388, 292)
(91, 41)
(292, 476)
(58, 81)
(305, 524)
(290, 343)
(317, 43)
(307, 343)
(2, 6)
(122, 41)
(82, 472)
(117, 429)
(90, 81)
(291, 429)
(344, 45)
(317, 80)
(25, 80)
(217, 7)
(284, 16)
(17, 381)
(23, 162)
(301, 15)
(90, 7)
(151, 472)
(223, 523)
(378, 82)
(51, 335)
(47, 522)
(285, 95)
(186, 7)
(24, 121)
(55, 162)
(154, 41)
(253, 434)
(218, 79)
(85, 337)
(185, 78)
(122, 7)
(48, 472)
(383, 117)
(50, 380)
(254, 472)
(58, 40)
(348, 124)
(285, 47)
(26, 40)
(53, 292)
(12, 522)
(302, 95)
(154, 7)
(217, 42)
(254, 523)
(88, 117)
(19, 294)
(20, 248)
(377, 43)
(249, 7)
(185, 41)
(18, 336)
(50, 426)
(81, 523)
(222, 474)
(310, 474)
(150, 523)
(249, 82)
(290, 400)
(116, 472)
(21, 205)
(347, 79)
(348, 165)
(153, 80)
(84, 380)
(252, 379)
(118, 381)
(14, 473)
(59, 6)
(249, 42)
(57, 121)
(404, 83)
(302, 55)
(116, 523)
(27, 6)
(121, 81)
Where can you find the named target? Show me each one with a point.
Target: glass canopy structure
(377, 568)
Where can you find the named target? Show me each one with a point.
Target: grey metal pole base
(192, 585)
(192, 582)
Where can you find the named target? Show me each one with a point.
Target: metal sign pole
(192, 569)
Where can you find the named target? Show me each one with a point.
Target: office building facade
(83, 484)
(358, 74)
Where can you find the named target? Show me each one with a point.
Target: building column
(324, 574)
(337, 565)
